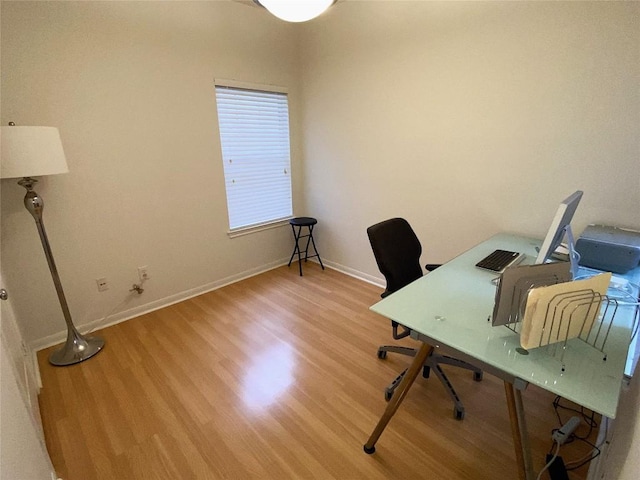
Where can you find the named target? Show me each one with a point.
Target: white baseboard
(128, 314)
(355, 273)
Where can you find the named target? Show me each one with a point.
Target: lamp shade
(31, 152)
(296, 10)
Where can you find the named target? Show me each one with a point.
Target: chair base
(433, 362)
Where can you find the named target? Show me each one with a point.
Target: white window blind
(254, 133)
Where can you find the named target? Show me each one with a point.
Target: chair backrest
(397, 251)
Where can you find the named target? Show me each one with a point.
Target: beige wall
(130, 86)
(468, 118)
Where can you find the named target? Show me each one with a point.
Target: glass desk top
(450, 307)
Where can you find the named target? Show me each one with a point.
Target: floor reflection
(269, 376)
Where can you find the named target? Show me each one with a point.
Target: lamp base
(76, 349)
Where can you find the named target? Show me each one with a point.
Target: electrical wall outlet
(143, 273)
(103, 284)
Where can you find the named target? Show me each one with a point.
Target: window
(254, 133)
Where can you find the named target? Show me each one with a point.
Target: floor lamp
(32, 152)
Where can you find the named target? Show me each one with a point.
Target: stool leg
(314, 246)
(299, 256)
(296, 249)
(309, 238)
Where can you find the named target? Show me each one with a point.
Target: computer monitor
(560, 225)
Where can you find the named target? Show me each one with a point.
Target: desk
(450, 307)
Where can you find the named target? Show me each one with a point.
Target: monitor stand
(574, 257)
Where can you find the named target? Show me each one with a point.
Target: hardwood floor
(274, 377)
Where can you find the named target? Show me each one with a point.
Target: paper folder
(560, 312)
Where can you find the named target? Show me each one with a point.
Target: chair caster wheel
(477, 376)
(369, 451)
(382, 354)
(388, 394)
(426, 371)
(458, 414)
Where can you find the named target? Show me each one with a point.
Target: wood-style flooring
(275, 377)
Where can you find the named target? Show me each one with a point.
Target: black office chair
(397, 251)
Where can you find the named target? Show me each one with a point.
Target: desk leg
(398, 396)
(519, 432)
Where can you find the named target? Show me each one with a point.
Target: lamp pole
(77, 348)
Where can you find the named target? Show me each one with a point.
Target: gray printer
(612, 249)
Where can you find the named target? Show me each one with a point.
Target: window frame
(240, 85)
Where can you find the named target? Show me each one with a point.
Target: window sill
(239, 232)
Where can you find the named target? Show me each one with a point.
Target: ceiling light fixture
(296, 10)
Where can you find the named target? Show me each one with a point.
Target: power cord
(589, 419)
(575, 464)
(550, 462)
(636, 318)
(560, 437)
(624, 294)
(135, 288)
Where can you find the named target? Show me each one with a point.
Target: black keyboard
(499, 260)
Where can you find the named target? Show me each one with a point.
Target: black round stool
(301, 222)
